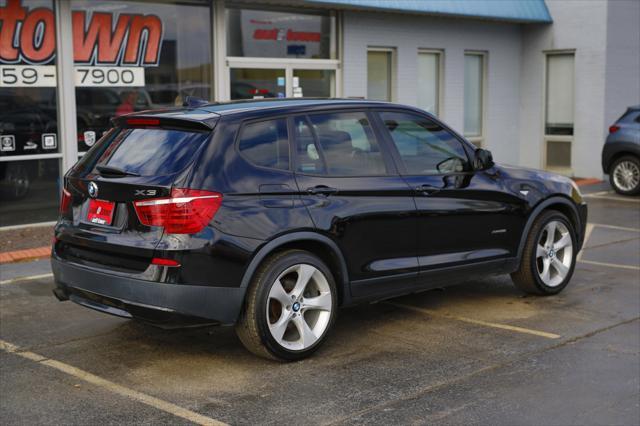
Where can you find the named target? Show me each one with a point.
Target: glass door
(257, 83)
(313, 83)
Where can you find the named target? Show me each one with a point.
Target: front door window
(426, 148)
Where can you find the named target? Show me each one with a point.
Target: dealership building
(536, 82)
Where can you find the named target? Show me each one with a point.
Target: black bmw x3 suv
(271, 214)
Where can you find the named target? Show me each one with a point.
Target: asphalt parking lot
(479, 353)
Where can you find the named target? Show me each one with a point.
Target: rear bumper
(152, 301)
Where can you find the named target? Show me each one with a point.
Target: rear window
(151, 152)
(630, 116)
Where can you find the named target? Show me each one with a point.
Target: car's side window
(347, 144)
(307, 152)
(266, 144)
(426, 148)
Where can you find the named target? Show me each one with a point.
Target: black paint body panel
(384, 236)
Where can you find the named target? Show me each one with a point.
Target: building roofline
(515, 11)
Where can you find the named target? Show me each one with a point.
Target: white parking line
(620, 228)
(596, 194)
(113, 387)
(587, 234)
(478, 322)
(611, 265)
(605, 197)
(29, 278)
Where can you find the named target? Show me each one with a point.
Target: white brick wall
(581, 26)
(408, 33)
(623, 58)
(605, 37)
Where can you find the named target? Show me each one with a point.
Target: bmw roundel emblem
(93, 189)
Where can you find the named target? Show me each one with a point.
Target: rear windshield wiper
(114, 171)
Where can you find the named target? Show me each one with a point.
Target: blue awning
(525, 11)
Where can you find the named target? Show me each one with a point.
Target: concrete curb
(587, 181)
(22, 255)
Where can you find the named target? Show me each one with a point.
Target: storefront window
(275, 34)
(314, 83)
(256, 83)
(29, 191)
(133, 55)
(29, 146)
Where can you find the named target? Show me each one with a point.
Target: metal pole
(66, 96)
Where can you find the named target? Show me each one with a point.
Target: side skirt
(397, 285)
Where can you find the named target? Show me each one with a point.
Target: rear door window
(266, 143)
(151, 152)
(347, 144)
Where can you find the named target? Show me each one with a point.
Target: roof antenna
(194, 102)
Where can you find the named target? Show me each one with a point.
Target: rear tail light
(65, 201)
(187, 211)
(614, 128)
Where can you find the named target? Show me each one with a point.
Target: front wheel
(625, 175)
(549, 255)
(290, 307)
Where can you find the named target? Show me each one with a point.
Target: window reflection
(29, 191)
(170, 42)
(275, 34)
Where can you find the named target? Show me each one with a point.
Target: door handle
(321, 190)
(427, 189)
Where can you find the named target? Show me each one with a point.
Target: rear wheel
(290, 307)
(549, 255)
(625, 175)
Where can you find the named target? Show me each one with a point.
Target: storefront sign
(7, 143)
(45, 76)
(109, 76)
(101, 38)
(277, 35)
(27, 76)
(49, 141)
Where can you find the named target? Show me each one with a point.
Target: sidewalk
(27, 243)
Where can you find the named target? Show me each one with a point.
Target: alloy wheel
(626, 175)
(299, 307)
(554, 253)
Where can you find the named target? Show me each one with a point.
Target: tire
(545, 268)
(290, 289)
(625, 175)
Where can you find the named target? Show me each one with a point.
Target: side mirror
(483, 159)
